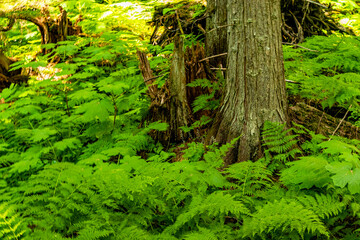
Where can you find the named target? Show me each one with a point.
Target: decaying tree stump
(147, 73)
(52, 30)
(180, 113)
(197, 66)
(169, 104)
(173, 102)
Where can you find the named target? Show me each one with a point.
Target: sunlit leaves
(42, 133)
(345, 174)
(307, 172)
(96, 109)
(68, 143)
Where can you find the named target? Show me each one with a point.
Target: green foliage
(307, 172)
(289, 215)
(74, 163)
(324, 206)
(329, 72)
(205, 101)
(250, 177)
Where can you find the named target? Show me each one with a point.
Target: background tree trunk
(216, 32)
(255, 84)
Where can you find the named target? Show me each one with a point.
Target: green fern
(212, 233)
(249, 177)
(283, 218)
(280, 145)
(329, 74)
(11, 225)
(322, 205)
(214, 205)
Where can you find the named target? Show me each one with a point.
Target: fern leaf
(283, 217)
(250, 176)
(202, 234)
(214, 205)
(10, 223)
(324, 206)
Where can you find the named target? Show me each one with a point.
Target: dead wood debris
(300, 19)
(8, 77)
(182, 19)
(160, 108)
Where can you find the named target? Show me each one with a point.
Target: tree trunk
(255, 84)
(216, 32)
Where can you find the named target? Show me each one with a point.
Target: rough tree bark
(52, 30)
(216, 32)
(255, 84)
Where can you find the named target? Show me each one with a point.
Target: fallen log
(321, 122)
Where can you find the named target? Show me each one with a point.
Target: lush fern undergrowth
(74, 163)
(71, 166)
(328, 71)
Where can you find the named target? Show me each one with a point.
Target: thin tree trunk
(255, 84)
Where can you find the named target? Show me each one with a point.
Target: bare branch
(340, 122)
(317, 3)
(216, 28)
(218, 55)
(297, 45)
(291, 81)
(221, 69)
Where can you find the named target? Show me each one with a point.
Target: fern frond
(250, 176)
(322, 205)
(216, 205)
(280, 145)
(281, 218)
(93, 234)
(202, 234)
(10, 223)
